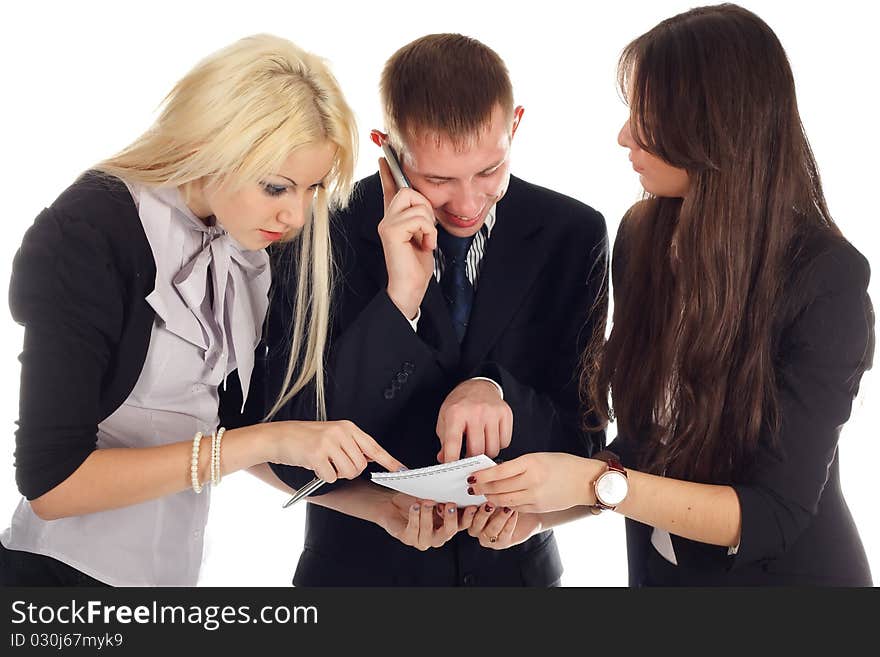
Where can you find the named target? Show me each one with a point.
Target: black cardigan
(78, 285)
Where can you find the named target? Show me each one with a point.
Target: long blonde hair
(236, 117)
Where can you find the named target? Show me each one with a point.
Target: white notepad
(446, 482)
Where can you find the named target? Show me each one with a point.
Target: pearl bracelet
(215, 455)
(194, 463)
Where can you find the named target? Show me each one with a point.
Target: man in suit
(462, 308)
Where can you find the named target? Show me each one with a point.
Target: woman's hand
(499, 529)
(538, 483)
(332, 450)
(423, 524)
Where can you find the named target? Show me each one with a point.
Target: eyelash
(274, 190)
(278, 190)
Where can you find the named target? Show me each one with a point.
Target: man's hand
(473, 411)
(409, 236)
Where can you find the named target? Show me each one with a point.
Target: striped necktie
(457, 289)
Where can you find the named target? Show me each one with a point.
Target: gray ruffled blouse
(210, 298)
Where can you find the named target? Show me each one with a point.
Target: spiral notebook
(446, 482)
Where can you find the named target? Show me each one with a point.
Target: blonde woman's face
(277, 207)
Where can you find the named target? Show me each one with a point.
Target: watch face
(611, 488)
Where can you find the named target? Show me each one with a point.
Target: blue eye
(274, 190)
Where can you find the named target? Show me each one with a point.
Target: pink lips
(270, 235)
(636, 167)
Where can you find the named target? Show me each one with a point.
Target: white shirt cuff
(492, 381)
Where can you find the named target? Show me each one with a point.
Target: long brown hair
(690, 359)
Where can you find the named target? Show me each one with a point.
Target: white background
(81, 80)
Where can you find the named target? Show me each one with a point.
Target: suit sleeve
(69, 296)
(551, 418)
(375, 366)
(825, 350)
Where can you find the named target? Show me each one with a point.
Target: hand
(409, 236)
(423, 524)
(473, 409)
(331, 449)
(499, 529)
(540, 482)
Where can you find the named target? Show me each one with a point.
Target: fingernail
(470, 490)
(506, 509)
(489, 508)
(402, 468)
(451, 509)
(472, 479)
(415, 507)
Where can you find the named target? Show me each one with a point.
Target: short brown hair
(445, 84)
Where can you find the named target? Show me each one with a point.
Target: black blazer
(544, 270)
(796, 526)
(78, 285)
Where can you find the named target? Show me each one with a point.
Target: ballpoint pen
(308, 489)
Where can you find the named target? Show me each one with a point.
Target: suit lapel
(509, 266)
(511, 263)
(435, 325)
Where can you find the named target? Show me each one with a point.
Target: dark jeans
(19, 568)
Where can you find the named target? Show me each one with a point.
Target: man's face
(462, 185)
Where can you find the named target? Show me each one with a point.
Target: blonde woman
(143, 291)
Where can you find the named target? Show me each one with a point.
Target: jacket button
(389, 393)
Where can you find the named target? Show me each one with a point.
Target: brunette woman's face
(657, 176)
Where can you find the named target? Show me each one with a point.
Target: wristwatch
(612, 485)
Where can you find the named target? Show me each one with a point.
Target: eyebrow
(488, 168)
(296, 184)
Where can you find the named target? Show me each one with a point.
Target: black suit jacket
(541, 294)
(79, 285)
(796, 526)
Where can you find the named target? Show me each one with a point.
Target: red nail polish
(472, 479)
(506, 509)
(470, 490)
(489, 508)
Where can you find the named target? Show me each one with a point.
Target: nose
(467, 202)
(624, 137)
(294, 214)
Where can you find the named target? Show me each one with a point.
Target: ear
(517, 117)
